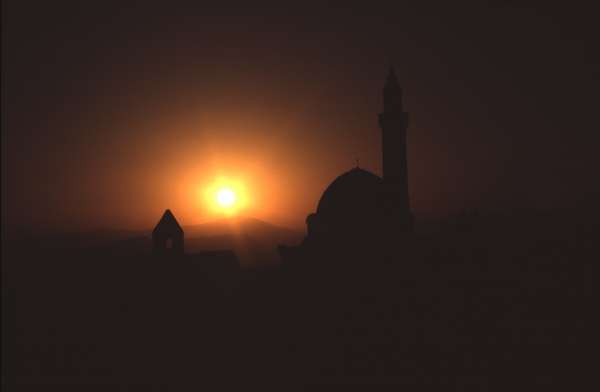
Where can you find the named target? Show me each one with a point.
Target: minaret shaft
(393, 122)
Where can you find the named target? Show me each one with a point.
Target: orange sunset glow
(226, 196)
(271, 176)
(236, 195)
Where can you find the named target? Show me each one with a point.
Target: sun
(226, 198)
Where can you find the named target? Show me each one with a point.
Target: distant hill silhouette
(253, 240)
(246, 225)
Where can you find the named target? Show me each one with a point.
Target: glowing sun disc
(225, 197)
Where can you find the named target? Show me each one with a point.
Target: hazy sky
(115, 111)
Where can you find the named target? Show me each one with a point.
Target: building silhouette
(359, 207)
(167, 236)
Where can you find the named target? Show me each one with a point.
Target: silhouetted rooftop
(168, 224)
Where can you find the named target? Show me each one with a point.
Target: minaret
(393, 123)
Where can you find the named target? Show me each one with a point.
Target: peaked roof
(168, 224)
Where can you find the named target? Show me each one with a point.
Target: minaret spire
(391, 78)
(392, 93)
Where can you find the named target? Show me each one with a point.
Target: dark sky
(114, 111)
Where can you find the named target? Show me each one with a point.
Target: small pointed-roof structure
(167, 236)
(168, 223)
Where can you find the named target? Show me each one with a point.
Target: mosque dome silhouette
(360, 210)
(354, 194)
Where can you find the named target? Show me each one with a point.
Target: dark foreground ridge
(475, 302)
